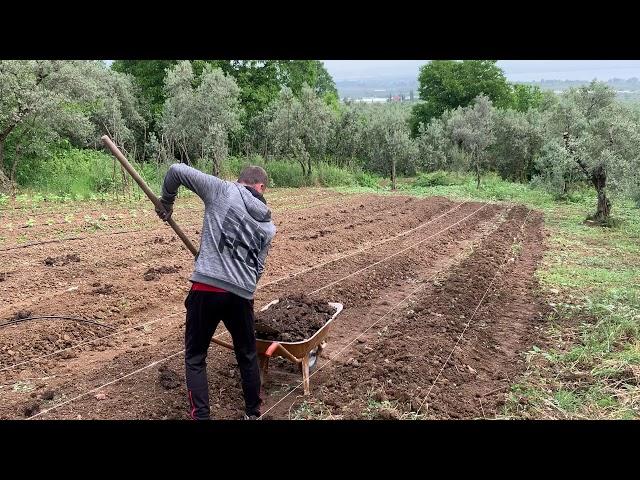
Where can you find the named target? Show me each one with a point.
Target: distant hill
(377, 87)
(629, 84)
(627, 89)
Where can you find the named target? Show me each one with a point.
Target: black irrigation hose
(75, 319)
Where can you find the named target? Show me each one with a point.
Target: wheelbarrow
(304, 353)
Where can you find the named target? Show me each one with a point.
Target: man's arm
(262, 260)
(207, 187)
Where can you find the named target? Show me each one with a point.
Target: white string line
(360, 250)
(424, 284)
(470, 319)
(90, 341)
(421, 286)
(258, 288)
(224, 333)
(135, 230)
(104, 385)
(115, 380)
(363, 249)
(398, 252)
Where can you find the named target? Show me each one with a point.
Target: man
(236, 234)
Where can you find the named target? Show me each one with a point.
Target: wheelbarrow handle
(275, 346)
(283, 351)
(223, 343)
(272, 348)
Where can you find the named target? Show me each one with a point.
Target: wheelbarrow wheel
(314, 355)
(313, 359)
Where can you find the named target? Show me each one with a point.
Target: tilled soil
(390, 246)
(293, 319)
(451, 356)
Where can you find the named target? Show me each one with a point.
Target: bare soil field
(439, 305)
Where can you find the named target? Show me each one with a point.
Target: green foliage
(526, 97)
(300, 128)
(448, 84)
(296, 73)
(364, 179)
(149, 76)
(82, 173)
(259, 81)
(69, 172)
(388, 148)
(286, 173)
(519, 139)
(45, 101)
(196, 121)
(439, 178)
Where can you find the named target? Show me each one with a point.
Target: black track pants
(204, 312)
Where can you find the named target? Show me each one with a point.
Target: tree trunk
(393, 174)
(599, 181)
(5, 183)
(477, 174)
(14, 170)
(215, 167)
(302, 164)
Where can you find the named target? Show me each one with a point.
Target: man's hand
(165, 213)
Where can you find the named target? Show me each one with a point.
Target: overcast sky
(515, 70)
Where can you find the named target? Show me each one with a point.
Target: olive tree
(116, 110)
(388, 140)
(44, 100)
(196, 121)
(434, 145)
(300, 128)
(347, 139)
(472, 130)
(256, 134)
(556, 171)
(599, 135)
(519, 136)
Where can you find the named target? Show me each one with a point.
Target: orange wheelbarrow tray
(304, 353)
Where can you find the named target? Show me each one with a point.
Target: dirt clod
(106, 289)
(168, 378)
(48, 395)
(31, 408)
(156, 273)
(21, 314)
(61, 260)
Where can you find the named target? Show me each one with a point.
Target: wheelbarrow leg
(264, 368)
(305, 374)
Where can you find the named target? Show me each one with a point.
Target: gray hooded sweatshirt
(236, 232)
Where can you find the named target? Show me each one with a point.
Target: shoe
(250, 417)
